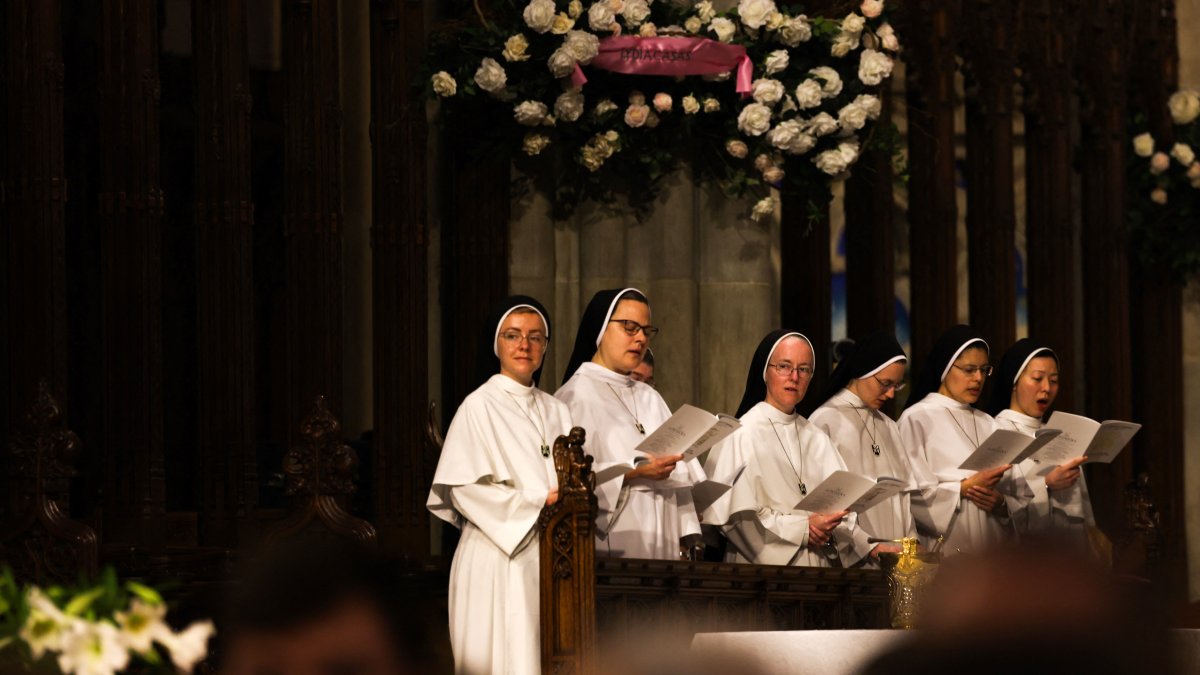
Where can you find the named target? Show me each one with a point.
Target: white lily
(189, 646)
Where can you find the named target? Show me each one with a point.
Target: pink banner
(635, 55)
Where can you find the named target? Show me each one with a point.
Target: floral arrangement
(1164, 183)
(93, 630)
(528, 82)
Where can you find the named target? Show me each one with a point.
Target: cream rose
(562, 24)
(561, 62)
(737, 149)
(763, 161)
(690, 105)
(1183, 154)
(603, 107)
(822, 124)
(530, 113)
(515, 48)
(853, 24)
(873, 67)
(871, 104)
(693, 24)
(887, 38)
(582, 45)
(1158, 196)
(1184, 105)
(808, 94)
(852, 116)
(831, 162)
(490, 76)
(601, 16)
(754, 13)
(648, 30)
(535, 143)
(763, 209)
(711, 105)
(754, 120)
(785, 134)
(1193, 172)
(636, 11)
(1143, 145)
(773, 175)
(569, 105)
(539, 15)
(831, 82)
(794, 31)
(704, 10)
(443, 84)
(574, 9)
(636, 115)
(871, 8)
(767, 92)
(775, 20)
(843, 44)
(1159, 163)
(662, 102)
(777, 62)
(724, 28)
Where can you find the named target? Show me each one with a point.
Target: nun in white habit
(868, 440)
(647, 512)
(940, 429)
(784, 456)
(493, 478)
(1060, 497)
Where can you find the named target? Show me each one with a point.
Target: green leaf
(80, 603)
(144, 592)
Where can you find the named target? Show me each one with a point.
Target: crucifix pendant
(641, 429)
(803, 489)
(545, 450)
(875, 449)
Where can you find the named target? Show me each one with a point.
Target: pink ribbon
(635, 55)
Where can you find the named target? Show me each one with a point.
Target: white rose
(1183, 154)
(535, 143)
(873, 67)
(843, 44)
(530, 113)
(822, 124)
(648, 30)
(515, 48)
(582, 45)
(1184, 105)
(690, 105)
(636, 11)
(693, 24)
(491, 76)
(802, 144)
(603, 107)
(754, 13)
(785, 133)
(1158, 196)
(871, 104)
(754, 120)
(736, 149)
(773, 175)
(788, 106)
(767, 92)
(777, 62)
(539, 15)
(887, 38)
(574, 9)
(724, 28)
(1143, 145)
(1159, 163)
(775, 20)
(662, 102)
(717, 77)
(831, 162)
(561, 62)
(852, 116)
(562, 24)
(794, 31)
(704, 10)
(443, 84)
(853, 24)
(711, 105)
(831, 82)
(872, 8)
(764, 208)
(617, 6)
(569, 105)
(808, 94)
(636, 115)
(601, 16)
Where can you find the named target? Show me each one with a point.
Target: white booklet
(1006, 446)
(707, 492)
(1100, 441)
(689, 432)
(846, 491)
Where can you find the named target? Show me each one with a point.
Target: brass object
(909, 573)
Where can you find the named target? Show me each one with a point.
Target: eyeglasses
(970, 371)
(632, 327)
(786, 370)
(513, 338)
(888, 384)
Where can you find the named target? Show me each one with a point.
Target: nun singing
(493, 478)
(647, 511)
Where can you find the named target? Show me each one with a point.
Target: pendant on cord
(803, 489)
(545, 450)
(875, 449)
(641, 429)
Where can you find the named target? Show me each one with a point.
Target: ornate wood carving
(1104, 68)
(224, 213)
(312, 204)
(990, 47)
(933, 211)
(38, 539)
(1048, 40)
(871, 240)
(33, 193)
(805, 290)
(399, 244)
(319, 474)
(131, 208)
(568, 563)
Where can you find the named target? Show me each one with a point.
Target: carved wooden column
(131, 206)
(1047, 58)
(224, 268)
(805, 289)
(1104, 55)
(990, 45)
(933, 211)
(568, 563)
(312, 205)
(1156, 311)
(33, 192)
(399, 244)
(870, 239)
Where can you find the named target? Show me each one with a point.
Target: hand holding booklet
(1006, 446)
(846, 491)
(689, 432)
(1079, 436)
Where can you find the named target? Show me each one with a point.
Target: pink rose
(1159, 163)
(1159, 196)
(635, 115)
(872, 8)
(662, 102)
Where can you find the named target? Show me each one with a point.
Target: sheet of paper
(1110, 441)
(612, 471)
(883, 490)
(689, 432)
(1004, 446)
(707, 492)
(1077, 433)
(835, 493)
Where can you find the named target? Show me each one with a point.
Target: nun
(493, 478)
(1060, 497)
(940, 429)
(647, 511)
(777, 456)
(869, 375)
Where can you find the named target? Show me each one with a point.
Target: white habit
(941, 433)
(492, 482)
(757, 515)
(1069, 509)
(854, 428)
(637, 518)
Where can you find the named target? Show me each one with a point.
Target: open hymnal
(1079, 436)
(1006, 446)
(846, 491)
(689, 432)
